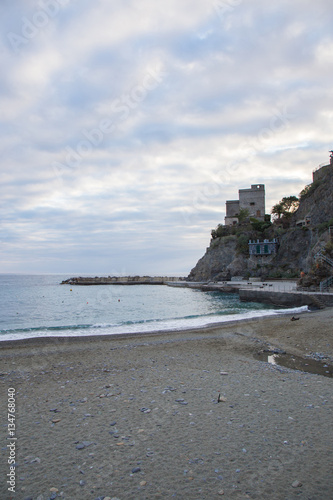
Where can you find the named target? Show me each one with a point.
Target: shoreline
(260, 328)
(108, 336)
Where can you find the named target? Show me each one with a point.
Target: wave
(142, 326)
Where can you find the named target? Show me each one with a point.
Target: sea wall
(287, 299)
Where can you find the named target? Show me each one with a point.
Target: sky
(125, 126)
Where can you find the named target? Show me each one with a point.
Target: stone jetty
(122, 280)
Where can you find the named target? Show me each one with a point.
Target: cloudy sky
(126, 125)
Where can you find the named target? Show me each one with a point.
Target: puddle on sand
(297, 363)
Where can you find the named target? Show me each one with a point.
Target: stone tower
(251, 199)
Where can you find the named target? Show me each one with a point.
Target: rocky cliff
(228, 253)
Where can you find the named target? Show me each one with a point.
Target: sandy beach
(188, 415)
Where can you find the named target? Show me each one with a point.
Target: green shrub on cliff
(220, 231)
(308, 190)
(242, 245)
(259, 225)
(324, 226)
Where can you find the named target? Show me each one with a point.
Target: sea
(39, 306)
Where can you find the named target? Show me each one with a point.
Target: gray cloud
(125, 128)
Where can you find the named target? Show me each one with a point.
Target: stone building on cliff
(251, 199)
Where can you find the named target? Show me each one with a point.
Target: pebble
(168, 389)
(83, 445)
(87, 443)
(135, 470)
(145, 410)
(221, 492)
(296, 484)
(143, 483)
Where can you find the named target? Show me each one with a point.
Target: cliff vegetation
(301, 226)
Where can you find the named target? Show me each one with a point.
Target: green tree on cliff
(287, 206)
(243, 214)
(277, 211)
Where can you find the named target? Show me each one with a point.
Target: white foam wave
(146, 327)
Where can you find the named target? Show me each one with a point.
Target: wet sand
(138, 417)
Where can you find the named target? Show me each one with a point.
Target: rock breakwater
(121, 280)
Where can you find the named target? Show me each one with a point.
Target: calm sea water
(38, 306)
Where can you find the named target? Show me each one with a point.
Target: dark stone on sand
(83, 445)
(135, 470)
